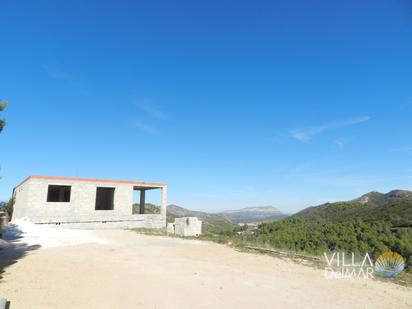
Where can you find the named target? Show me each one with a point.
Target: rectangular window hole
(58, 193)
(104, 198)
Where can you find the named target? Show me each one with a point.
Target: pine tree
(3, 105)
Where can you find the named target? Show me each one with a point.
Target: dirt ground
(127, 270)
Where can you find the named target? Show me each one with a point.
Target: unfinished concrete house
(86, 203)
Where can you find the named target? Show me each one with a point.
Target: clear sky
(232, 103)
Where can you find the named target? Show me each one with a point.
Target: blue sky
(232, 103)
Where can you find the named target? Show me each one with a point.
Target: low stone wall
(4, 220)
(103, 222)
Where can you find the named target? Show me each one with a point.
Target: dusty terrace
(122, 269)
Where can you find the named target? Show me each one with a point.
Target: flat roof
(131, 182)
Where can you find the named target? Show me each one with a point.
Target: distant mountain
(244, 215)
(219, 223)
(253, 214)
(212, 223)
(394, 206)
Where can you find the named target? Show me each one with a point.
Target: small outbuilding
(185, 226)
(86, 202)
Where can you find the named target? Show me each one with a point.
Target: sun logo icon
(389, 264)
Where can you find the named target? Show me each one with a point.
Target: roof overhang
(137, 184)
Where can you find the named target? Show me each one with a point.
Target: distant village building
(86, 203)
(185, 226)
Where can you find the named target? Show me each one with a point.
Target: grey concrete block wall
(185, 226)
(20, 195)
(31, 201)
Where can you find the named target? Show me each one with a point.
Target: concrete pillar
(142, 200)
(163, 202)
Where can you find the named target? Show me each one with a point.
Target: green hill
(374, 223)
(389, 207)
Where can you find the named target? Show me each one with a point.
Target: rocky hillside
(379, 199)
(394, 206)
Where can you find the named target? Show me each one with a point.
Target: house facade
(86, 202)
